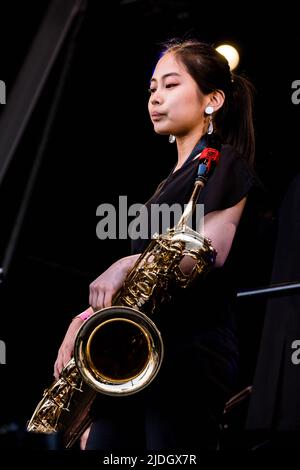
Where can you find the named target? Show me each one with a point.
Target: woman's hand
(101, 292)
(108, 283)
(65, 351)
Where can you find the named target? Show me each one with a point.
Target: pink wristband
(85, 314)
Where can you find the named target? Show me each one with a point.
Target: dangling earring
(172, 139)
(209, 110)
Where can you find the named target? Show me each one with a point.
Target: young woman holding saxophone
(195, 99)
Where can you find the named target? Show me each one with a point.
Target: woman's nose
(156, 97)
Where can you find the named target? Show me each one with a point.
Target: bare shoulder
(230, 215)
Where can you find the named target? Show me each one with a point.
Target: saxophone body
(119, 350)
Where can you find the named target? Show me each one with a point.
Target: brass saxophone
(119, 350)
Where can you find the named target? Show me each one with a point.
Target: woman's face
(176, 105)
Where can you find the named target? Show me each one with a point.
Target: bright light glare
(230, 53)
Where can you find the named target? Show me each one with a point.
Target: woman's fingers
(66, 349)
(57, 367)
(96, 297)
(93, 296)
(61, 361)
(55, 373)
(107, 298)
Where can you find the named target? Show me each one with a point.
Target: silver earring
(209, 110)
(210, 126)
(172, 139)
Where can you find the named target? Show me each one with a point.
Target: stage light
(230, 53)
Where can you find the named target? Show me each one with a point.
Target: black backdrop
(102, 146)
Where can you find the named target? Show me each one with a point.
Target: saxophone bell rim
(102, 382)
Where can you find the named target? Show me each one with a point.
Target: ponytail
(234, 121)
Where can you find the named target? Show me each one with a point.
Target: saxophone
(119, 349)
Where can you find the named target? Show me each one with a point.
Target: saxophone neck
(208, 159)
(190, 207)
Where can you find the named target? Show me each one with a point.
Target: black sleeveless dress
(181, 408)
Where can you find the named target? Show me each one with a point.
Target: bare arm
(220, 228)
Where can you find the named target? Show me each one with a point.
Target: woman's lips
(157, 116)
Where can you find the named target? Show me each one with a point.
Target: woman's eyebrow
(165, 76)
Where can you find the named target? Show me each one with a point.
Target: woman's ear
(217, 98)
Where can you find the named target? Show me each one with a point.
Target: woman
(194, 98)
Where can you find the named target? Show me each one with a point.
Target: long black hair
(233, 122)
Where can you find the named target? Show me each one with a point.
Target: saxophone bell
(118, 351)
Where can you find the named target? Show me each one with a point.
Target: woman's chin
(161, 131)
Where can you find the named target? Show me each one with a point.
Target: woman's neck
(185, 146)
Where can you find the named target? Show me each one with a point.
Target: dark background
(102, 145)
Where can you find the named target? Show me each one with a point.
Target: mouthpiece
(208, 160)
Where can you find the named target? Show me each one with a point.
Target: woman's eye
(151, 90)
(171, 85)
